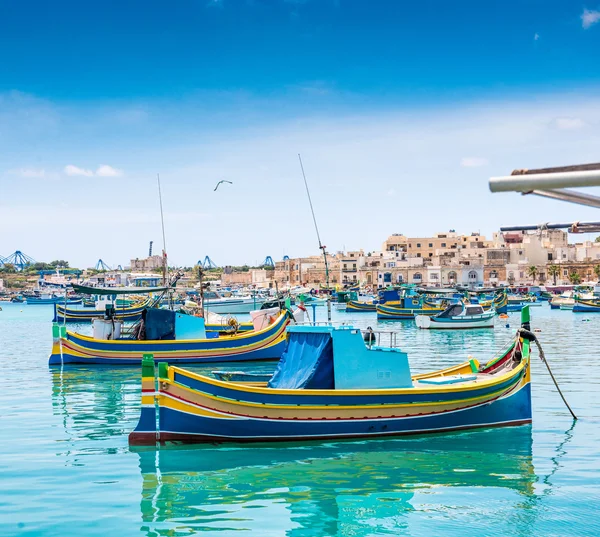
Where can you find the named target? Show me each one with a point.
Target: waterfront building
(147, 264)
(446, 259)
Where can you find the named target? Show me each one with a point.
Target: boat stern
(59, 334)
(145, 432)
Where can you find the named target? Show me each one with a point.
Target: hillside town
(442, 260)
(445, 259)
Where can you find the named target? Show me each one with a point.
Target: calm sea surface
(66, 469)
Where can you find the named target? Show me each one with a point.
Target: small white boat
(458, 316)
(214, 302)
(565, 299)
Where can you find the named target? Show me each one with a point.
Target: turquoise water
(66, 469)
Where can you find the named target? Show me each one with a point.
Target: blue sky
(402, 111)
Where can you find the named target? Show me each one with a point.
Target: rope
(532, 337)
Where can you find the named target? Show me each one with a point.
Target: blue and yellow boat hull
(356, 306)
(586, 306)
(390, 312)
(187, 407)
(266, 344)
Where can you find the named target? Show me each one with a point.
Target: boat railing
(372, 338)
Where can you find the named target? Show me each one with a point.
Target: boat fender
(369, 336)
(526, 334)
(507, 325)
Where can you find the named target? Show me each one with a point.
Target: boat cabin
(335, 357)
(460, 309)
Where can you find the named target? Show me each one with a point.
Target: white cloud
(103, 171)
(391, 192)
(473, 162)
(589, 18)
(568, 123)
(108, 171)
(30, 173)
(74, 171)
(536, 37)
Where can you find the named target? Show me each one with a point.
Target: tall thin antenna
(162, 221)
(321, 246)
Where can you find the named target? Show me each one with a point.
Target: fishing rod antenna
(321, 246)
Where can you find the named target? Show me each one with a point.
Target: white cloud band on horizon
(568, 123)
(30, 173)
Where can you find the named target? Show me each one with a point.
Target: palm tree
(574, 278)
(533, 272)
(554, 271)
(597, 271)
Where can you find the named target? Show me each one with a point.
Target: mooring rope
(532, 337)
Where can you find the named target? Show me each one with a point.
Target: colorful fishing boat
(408, 306)
(73, 315)
(390, 295)
(458, 316)
(356, 306)
(585, 306)
(168, 342)
(329, 385)
(564, 299)
(500, 302)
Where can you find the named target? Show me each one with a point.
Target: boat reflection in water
(339, 488)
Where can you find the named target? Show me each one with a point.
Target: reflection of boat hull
(195, 408)
(266, 344)
(333, 488)
(336, 488)
(355, 306)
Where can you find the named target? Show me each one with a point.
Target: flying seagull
(221, 181)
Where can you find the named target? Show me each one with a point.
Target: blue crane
(208, 263)
(268, 262)
(18, 259)
(101, 265)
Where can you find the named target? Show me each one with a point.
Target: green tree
(59, 263)
(574, 278)
(533, 272)
(8, 268)
(554, 271)
(597, 271)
